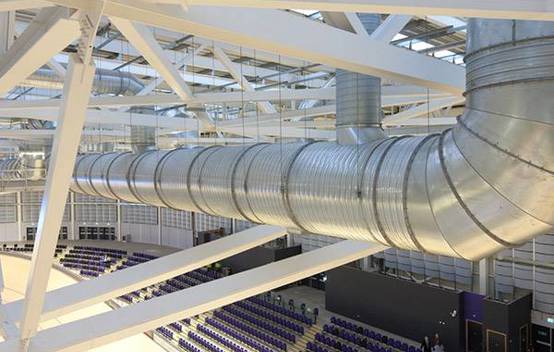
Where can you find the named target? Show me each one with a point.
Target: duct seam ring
(284, 185)
(157, 177)
(361, 182)
(374, 193)
(246, 177)
(475, 134)
(405, 191)
(233, 176)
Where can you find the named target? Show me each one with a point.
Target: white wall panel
(178, 238)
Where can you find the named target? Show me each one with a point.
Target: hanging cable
(257, 107)
(242, 98)
(215, 117)
(304, 74)
(192, 90)
(358, 171)
(280, 120)
(428, 112)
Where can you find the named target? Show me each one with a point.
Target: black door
(523, 338)
(474, 332)
(496, 341)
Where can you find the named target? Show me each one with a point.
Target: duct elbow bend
(482, 186)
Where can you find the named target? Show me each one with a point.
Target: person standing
(426, 344)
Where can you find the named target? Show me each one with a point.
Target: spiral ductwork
(21, 169)
(482, 186)
(359, 99)
(105, 81)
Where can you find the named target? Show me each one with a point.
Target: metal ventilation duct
(20, 169)
(359, 99)
(143, 137)
(105, 81)
(484, 185)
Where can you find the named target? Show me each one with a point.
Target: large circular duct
(482, 186)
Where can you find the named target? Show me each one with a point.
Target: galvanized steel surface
(484, 185)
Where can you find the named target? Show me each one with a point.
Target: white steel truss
(104, 328)
(71, 298)
(297, 37)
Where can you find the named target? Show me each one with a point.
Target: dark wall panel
(473, 306)
(259, 256)
(401, 307)
(508, 319)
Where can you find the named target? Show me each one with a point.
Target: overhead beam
(282, 132)
(392, 95)
(297, 37)
(56, 67)
(509, 9)
(207, 62)
(264, 106)
(85, 293)
(37, 134)
(13, 5)
(49, 33)
(292, 114)
(167, 99)
(390, 27)
(142, 39)
(310, 103)
(64, 152)
(111, 326)
(149, 88)
(421, 110)
(330, 109)
(7, 30)
(104, 117)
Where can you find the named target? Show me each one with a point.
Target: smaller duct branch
(359, 99)
(105, 81)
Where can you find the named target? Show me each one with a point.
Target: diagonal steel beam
(133, 319)
(49, 33)
(159, 80)
(390, 27)
(264, 106)
(297, 37)
(421, 110)
(64, 152)
(143, 40)
(71, 298)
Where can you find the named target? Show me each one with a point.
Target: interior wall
(507, 319)
(178, 238)
(404, 308)
(259, 256)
